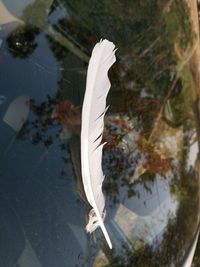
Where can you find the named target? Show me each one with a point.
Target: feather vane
(93, 111)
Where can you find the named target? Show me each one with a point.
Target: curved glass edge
(190, 255)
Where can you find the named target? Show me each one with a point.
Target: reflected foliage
(21, 42)
(42, 129)
(37, 13)
(173, 245)
(36, 128)
(153, 161)
(69, 116)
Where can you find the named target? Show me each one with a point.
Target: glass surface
(151, 156)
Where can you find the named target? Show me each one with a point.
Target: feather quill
(93, 111)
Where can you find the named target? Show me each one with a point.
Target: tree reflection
(21, 41)
(170, 248)
(36, 129)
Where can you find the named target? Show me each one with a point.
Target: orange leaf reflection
(153, 161)
(68, 115)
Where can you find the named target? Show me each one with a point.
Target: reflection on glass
(17, 113)
(151, 156)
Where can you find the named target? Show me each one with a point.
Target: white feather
(94, 108)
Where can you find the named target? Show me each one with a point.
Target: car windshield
(150, 159)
